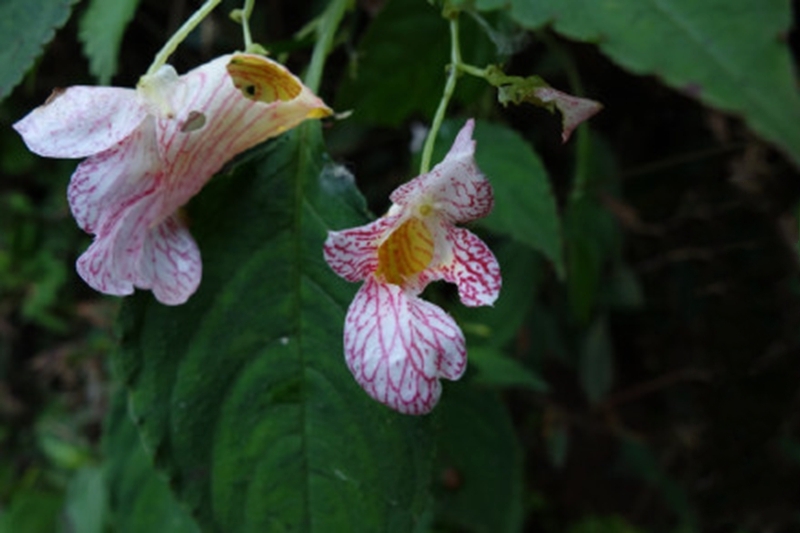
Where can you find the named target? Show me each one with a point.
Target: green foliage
(25, 27)
(139, 500)
(596, 367)
(479, 462)
(101, 29)
(496, 369)
(731, 54)
(591, 234)
(403, 30)
(385, 86)
(256, 355)
(32, 510)
(85, 506)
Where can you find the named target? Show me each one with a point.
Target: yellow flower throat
(407, 251)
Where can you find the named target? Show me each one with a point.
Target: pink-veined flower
(149, 150)
(396, 344)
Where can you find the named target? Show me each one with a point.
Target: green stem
(474, 71)
(247, 10)
(177, 38)
(326, 32)
(449, 88)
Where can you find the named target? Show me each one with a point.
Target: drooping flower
(151, 149)
(396, 344)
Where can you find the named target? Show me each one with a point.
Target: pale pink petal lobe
(472, 267)
(81, 121)
(106, 184)
(574, 109)
(398, 347)
(353, 253)
(456, 188)
(170, 263)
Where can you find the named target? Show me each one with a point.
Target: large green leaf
(732, 54)
(242, 394)
(101, 29)
(139, 498)
(26, 26)
(480, 463)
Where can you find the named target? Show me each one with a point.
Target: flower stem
(327, 25)
(247, 10)
(449, 88)
(163, 55)
(474, 71)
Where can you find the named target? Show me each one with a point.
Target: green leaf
(242, 394)
(592, 238)
(32, 510)
(25, 27)
(400, 68)
(480, 463)
(524, 207)
(731, 54)
(496, 369)
(100, 30)
(139, 498)
(591, 234)
(596, 367)
(86, 500)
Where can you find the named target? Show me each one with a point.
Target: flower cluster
(398, 345)
(151, 149)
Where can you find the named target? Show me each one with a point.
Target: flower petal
(455, 187)
(398, 346)
(353, 253)
(211, 120)
(107, 183)
(81, 121)
(471, 265)
(170, 263)
(130, 250)
(109, 265)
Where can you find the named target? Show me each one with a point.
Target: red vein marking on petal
(473, 268)
(398, 347)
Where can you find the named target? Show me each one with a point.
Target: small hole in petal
(195, 121)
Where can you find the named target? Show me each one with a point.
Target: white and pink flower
(397, 345)
(151, 149)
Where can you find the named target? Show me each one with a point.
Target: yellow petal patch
(262, 80)
(407, 251)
